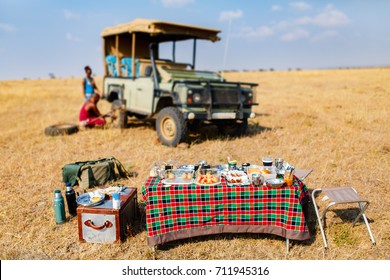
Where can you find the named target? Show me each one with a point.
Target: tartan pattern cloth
(183, 207)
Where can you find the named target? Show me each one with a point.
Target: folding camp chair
(341, 195)
(301, 174)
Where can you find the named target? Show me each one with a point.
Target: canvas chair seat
(301, 174)
(341, 195)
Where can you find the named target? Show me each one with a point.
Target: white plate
(177, 181)
(239, 174)
(85, 199)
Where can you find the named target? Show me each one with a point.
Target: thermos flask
(59, 207)
(71, 199)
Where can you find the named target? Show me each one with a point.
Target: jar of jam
(245, 166)
(232, 165)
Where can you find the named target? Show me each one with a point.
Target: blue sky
(38, 37)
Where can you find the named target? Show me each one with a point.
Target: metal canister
(59, 207)
(71, 199)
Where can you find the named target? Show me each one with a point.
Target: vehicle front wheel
(171, 127)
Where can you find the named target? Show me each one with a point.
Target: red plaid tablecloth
(182, 211)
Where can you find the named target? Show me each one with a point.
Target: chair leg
(319, 218)
(362, 209)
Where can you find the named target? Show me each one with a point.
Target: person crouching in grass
(90, 115)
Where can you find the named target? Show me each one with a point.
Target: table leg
(287, 245)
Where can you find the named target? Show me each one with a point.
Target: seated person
(90, 115)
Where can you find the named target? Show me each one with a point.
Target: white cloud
(301, 6)
(7, 27)
(260, 32)
(70, 37)
(331, 17)
(314, 27)
(276, 8)
(230, 15)
(173, 3)
(295, 35)
(70, 15)
(324, 35)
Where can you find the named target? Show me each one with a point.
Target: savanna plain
(334, 121)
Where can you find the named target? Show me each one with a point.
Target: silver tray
(85, 200)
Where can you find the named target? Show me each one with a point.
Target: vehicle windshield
(181, 74)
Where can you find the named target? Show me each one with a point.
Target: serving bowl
(275, 182)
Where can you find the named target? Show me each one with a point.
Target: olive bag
(89, 174)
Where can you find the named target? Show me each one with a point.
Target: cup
(257, 179)
(116, 200)
(161, 173)
(288, 178)
(267, 161)
(278, 163)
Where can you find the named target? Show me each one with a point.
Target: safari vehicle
(141, 84)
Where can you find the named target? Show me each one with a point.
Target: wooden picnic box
(104, 224)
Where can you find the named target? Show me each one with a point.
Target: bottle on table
(71, 199)
(59, 207)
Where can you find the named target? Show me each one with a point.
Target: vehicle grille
(224, 95)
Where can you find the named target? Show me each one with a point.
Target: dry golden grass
(335, 121)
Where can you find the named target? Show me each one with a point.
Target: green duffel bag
(89, 174)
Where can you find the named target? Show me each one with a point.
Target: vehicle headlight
(247, 97)
(196, 97)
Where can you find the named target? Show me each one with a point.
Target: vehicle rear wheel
(171, 127)
(233, 128)
(118, 114)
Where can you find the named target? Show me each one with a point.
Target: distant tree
(299, 69)
(52, 76)
(271, 69)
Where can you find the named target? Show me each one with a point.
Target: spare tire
(61, 129)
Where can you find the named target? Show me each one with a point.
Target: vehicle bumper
(218, 115)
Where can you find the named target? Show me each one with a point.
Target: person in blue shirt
(89, 86)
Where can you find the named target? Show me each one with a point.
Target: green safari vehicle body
(175, 95)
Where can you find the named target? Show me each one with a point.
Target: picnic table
(183, 211)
